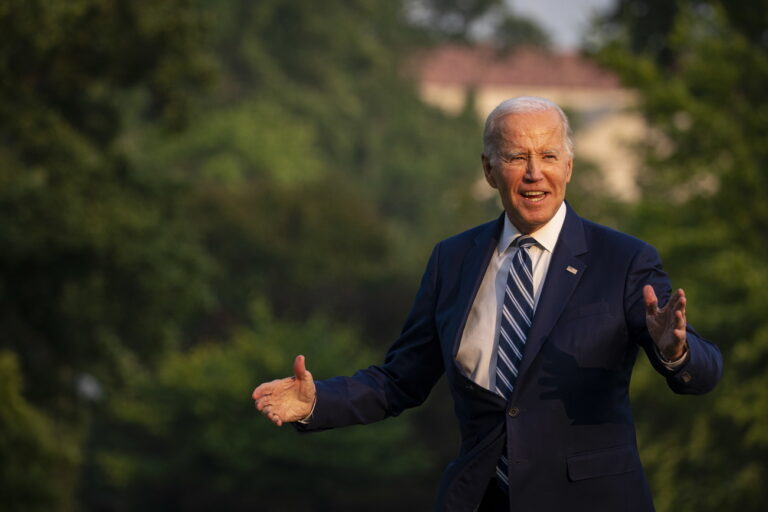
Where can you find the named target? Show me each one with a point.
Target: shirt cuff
(305, 420)
(670, 365)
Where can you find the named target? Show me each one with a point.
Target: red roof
(484, 65)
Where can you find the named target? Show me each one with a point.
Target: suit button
(685, 377)
(514, 412)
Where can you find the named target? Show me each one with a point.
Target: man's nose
(533, 171)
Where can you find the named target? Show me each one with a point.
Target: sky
(564, 20)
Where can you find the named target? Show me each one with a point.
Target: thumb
(651, 302)
(299, 369)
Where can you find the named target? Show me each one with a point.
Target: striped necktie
(516, 319)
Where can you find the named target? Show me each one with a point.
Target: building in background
(607, 127)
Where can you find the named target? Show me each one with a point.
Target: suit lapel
(560, 282)
(474, 267)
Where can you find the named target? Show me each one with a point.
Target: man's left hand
(666, 325)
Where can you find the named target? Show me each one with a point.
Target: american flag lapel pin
(571, 270)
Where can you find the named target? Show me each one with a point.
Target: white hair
(523, 105)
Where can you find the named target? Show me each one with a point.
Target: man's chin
(531, 221)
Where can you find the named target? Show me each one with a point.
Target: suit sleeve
(411, 368)
(703, 367)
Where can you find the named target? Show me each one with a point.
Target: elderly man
(536, 319)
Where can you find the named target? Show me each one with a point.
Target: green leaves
(188, 433)
(40, 458)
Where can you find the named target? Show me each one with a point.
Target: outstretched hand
(289, 399)
(666, 325)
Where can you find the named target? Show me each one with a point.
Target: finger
(277, 420)
(673, 304)
(680, 320)
(299, 368)
(679, 330)
(274, 418)
(262, 404)
(651, 302)
(678, 306)
(263, 390)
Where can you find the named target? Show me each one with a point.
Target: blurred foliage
(701, 68)
(512, 32)
(292, 123)
(272, 241)
(453, 19)
(185, 436)
(39, 465)
(97, 258)
(492, 22)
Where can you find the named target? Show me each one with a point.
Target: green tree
(37, 471)
(186, 435)
(322, 137)
(490, 21)
(98, 263)
(97, 258)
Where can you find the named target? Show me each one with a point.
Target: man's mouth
(534, 196)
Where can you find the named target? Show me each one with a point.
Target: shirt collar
(546, 235)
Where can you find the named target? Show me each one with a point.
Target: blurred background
(192, 192)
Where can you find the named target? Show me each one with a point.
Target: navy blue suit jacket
(568, 426)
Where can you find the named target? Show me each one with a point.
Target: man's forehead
(536, 126)
(539, 122)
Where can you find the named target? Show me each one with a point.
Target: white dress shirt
(477, 350)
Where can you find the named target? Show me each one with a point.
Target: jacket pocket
(607, 461)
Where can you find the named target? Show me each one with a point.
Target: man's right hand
(289, 399)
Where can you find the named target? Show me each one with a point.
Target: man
(536, 320)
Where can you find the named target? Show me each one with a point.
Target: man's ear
(488, 170)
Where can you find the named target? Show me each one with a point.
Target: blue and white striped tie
(516, 318)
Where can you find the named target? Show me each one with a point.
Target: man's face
(530, 166)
